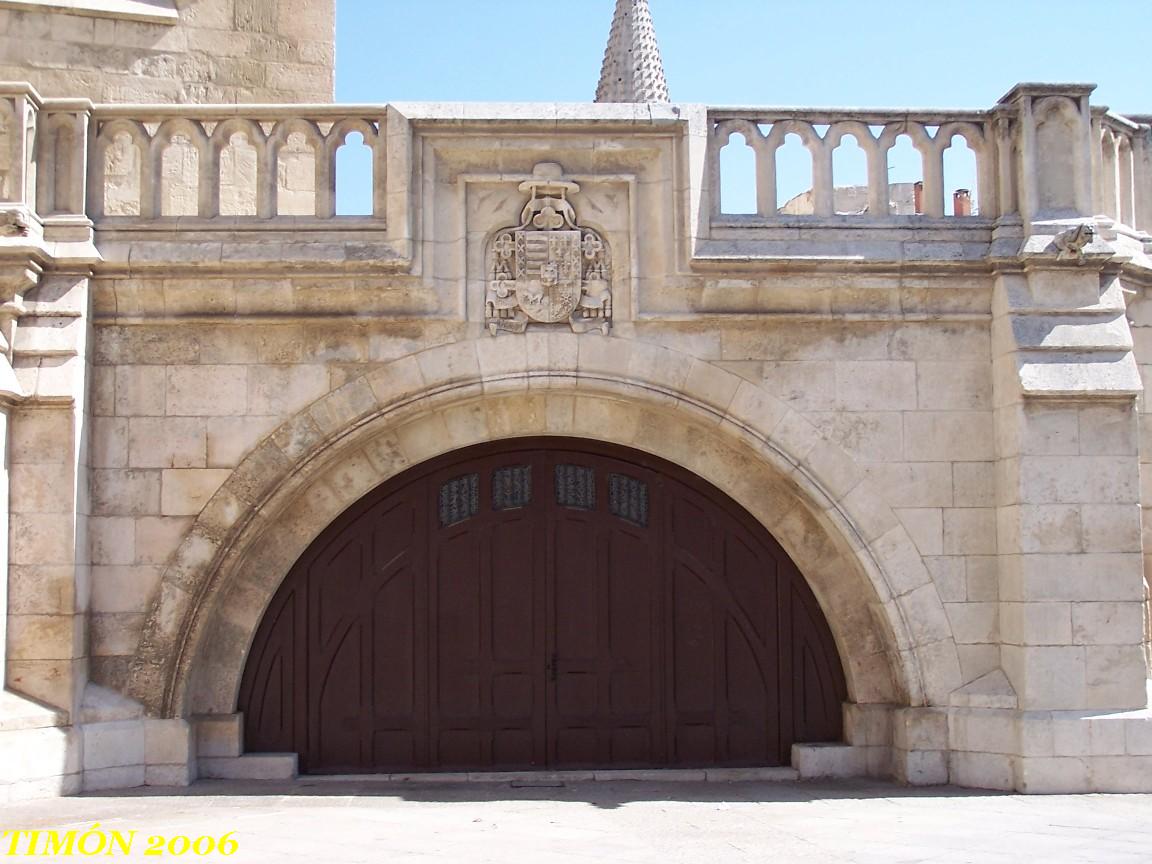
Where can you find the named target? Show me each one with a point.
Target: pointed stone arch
(884, 609)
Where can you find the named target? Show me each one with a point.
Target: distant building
(904, 199)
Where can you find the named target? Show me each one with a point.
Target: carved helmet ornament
(548, 269)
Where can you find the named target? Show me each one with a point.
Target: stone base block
(31, 790)
(39, 763)
(982, 771)
(814, 761)
(219, 736)
(920, 767)
(119, 744)
(169, 742)
(120, 777)
(270, 766)
(170, 775)
(1121, 774)
(869, 725)
(123, 749)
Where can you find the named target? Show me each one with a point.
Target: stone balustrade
(876, 132)
(1122, 172)
(237, 166)
(130, 164)
(19, 106)
(1121, 164)
(220, 163)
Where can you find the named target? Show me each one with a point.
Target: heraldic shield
(548, 269)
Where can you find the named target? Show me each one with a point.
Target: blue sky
(878, 53)
(874, 53)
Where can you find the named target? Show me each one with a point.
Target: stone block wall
(945, 440)
(214, 51)
(910, 401)
(177, 405)
(1140, 314)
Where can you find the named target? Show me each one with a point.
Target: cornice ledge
(147, 11)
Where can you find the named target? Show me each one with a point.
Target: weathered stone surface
(935, 415)
(191, 56)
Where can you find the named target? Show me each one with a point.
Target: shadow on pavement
(603, 794)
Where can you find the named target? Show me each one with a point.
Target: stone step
(262, 766)
(654, 775)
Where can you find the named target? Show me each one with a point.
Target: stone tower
(165, 51)
(633, 71)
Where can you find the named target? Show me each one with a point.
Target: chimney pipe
(918, 196)
(962, 203)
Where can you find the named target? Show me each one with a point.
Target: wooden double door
(542, 603)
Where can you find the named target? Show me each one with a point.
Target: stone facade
(940, 418)
(171, 50)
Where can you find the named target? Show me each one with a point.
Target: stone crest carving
(548, 269)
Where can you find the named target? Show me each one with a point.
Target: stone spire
(632, 69)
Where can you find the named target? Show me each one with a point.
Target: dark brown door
(542, 603)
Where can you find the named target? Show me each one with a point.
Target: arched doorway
(542, 602)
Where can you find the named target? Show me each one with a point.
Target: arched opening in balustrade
(1057, 123)
(239, 161)
(961, 178)
(1108, 198)
(905, 171)
(8, 150)
(179, 175)
(354, 177)
(1125, 176)
(296, 176)
(123, 156)
(849, 177)
(794, 178)
(737, 176)
(64, 182)
(55, 176)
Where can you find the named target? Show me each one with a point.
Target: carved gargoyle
(13, 223)
(1072, 242)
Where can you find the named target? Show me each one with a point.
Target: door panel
(542, 603)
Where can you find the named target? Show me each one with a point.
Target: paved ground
(717, 823)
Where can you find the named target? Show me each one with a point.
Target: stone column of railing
(46, 258)
(1142, 165)
(19, 226)
(1068, 498)
(18, 107)
(1122, 174)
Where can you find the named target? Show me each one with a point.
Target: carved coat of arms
(548, 269)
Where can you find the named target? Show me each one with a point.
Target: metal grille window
(628, 498)
(459, 499)
(512, 487)
(576, 487)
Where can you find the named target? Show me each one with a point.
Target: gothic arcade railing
(877, 133)
(1042, 150)
(210, 163)
(1120, 170)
